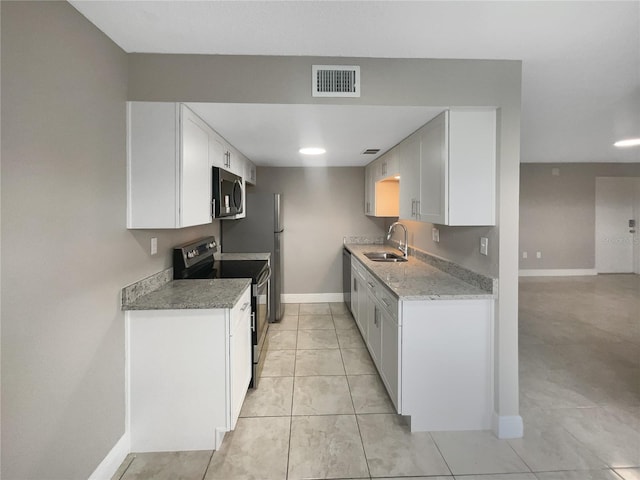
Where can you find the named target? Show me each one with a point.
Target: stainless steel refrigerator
(260, 231)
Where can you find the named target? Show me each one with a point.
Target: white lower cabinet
(188, 374)
(446, 375)
(389, 354)
(374, 333)
(434, 356)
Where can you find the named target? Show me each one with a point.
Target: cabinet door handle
(384, 300)
(413, 207)
(355, 285)
(244, 307)
(417, 208)
(253, 322)
(371, 285)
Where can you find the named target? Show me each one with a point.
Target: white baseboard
(109, 465)
(508, 426)
(558, 272)
(312, 297)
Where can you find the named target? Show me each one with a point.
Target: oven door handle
(264, 279)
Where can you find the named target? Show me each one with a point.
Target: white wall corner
(507, 426)
(557, 272)
(110, 464)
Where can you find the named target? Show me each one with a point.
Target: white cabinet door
(389, 365)
(361, 308)
(218, 151)
(389, 164)
(168, 167)
(369, 189)
(195, 170)
(240, 355)
(374, 335)
(410, 177)
(434, 171)
(355, 286)
(249, 172)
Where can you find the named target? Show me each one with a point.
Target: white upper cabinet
(410, 176)
(448, 169)
(389, 164)
(168, 166)
(170, 152)
(369, 189)
(381, 188)
(249, 172)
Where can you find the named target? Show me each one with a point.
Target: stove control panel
(189, 254)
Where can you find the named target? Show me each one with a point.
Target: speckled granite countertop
(194, 294)
(417, 280)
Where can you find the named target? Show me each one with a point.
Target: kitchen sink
(384, 257)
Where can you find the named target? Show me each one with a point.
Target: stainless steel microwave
(227, 193)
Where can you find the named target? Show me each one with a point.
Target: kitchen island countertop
(192, 294)
(415, 279)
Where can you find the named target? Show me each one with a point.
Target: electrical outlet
(525, 255)
(538, 254)
(555, 172)
(435, 234)
(484, 245)
(154, 246)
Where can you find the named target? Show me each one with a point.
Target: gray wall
(65, 250)
(557, 213)
(320, 206)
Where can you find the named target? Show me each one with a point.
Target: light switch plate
(484, 245)
(154, 246)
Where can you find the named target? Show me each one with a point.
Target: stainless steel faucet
(403, 246)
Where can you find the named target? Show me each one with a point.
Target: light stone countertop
(416, 280)
(192, 294)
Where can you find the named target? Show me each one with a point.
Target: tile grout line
(441, 454)
(293, 389)
(206, 470)
(355, 414)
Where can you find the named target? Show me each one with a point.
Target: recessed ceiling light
(630, 142)
(312, 151)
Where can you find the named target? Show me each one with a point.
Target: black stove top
(195, 261)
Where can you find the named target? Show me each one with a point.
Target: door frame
(635, 209)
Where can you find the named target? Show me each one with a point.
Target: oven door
(260, 304)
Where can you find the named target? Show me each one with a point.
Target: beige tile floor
(322, 412)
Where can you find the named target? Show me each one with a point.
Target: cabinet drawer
(388, 301)
(358, 267)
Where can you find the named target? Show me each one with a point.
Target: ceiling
(580, 78)
(271, 135)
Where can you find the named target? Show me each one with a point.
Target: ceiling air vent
(336, 81)
(371, 151)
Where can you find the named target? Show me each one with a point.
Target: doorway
(617, 218)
